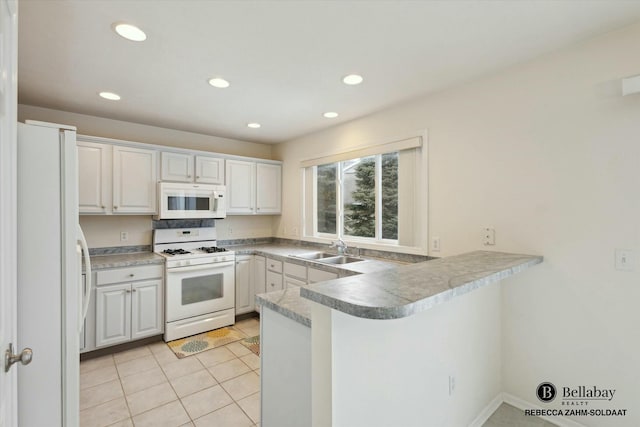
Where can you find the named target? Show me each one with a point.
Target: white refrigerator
(51, 300)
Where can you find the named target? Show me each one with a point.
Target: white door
(209, 170)
(268, 188)
(146, 309)
(135, 179)
(94, 177)
(8, 222)
(241, 181)
(177, 167)
(113, 314)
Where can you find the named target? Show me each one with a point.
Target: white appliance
(50, 246)
(179, 201)
(199, 281)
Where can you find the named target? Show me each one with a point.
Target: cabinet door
(94, 177)
(244, 286)
(177, 167)
(259, 274)
(240, 187)
(146, 309)
(113, 314)
(209, 170)
(268, 188)
(134, 180)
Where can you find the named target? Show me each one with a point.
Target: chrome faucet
(341, 246)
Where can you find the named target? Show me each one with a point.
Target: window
(372, 196)
(358, 197)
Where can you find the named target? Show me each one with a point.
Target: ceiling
(284, 59)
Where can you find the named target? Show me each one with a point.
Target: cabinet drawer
(316, 275)
(129, 274)
(274, 281)
(295, 270)
(274, 265)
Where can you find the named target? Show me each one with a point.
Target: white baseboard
(484, 415)
(523, 404)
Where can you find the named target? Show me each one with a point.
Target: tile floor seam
(184, 408)
(126, 401)
(242, 409)
(220, 408)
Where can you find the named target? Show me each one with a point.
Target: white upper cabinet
(94, 172)
(253, 188)
(240, 187)
(177, 167)
(134, 180)
(185, 167)
(268, 188)
(209, 170)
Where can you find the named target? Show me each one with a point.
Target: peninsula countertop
(403, 290)
(410, 289)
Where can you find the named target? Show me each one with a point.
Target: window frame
(340, 205)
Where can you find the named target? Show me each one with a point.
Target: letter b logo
(546, 392)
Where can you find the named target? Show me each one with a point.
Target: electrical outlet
(124, 236)
(624, 260)
(295, 231)
(452, 384)
(435, 244)
(229, 231)
(488, 236)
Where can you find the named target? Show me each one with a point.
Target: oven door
(200, 289)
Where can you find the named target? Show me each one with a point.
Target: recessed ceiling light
(352, 79)
(110, 96)
(130, 32)
(330, 114)
(218, 82)
(253, 125)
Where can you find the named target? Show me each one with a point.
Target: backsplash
(182, 223)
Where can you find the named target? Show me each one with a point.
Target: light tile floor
(150, 386)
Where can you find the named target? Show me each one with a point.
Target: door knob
(9, 358)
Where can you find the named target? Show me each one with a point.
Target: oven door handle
(213, 266)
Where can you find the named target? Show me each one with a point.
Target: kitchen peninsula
(413, 345)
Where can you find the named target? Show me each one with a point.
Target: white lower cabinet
(245, 291)
(131, 310)
(290, 282)
(274, 281)
(260, 274)
(315, 275)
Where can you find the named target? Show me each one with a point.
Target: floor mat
(252, 343)
(198, 343)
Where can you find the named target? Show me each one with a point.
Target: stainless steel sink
(342, 259)
(314, 255)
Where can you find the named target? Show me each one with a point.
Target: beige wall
(104, 230)
(108, 128)
(547, 153)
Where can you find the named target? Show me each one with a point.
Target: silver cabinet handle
(128, 291)
(131, 275)
(188, 176)
(104, 207)
(115, 207)
(134, 290)
(24, 357)
(197, 177)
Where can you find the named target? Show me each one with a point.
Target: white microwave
(181, 201)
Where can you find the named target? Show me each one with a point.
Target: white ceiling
(284, 59)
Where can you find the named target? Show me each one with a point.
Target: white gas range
(200, 281)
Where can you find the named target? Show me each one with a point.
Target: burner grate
(175, 252)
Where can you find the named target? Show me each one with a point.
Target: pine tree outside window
(359, 198)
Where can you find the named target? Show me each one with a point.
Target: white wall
(103, 230)
(396, 372)
(547, 153)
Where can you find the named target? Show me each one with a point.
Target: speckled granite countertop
(288, 303)
(406, 290)
(101, 262)
(284, 253)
